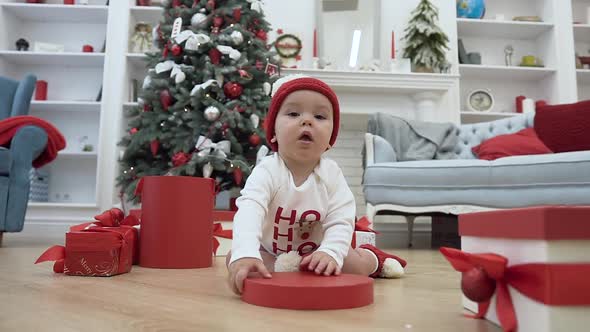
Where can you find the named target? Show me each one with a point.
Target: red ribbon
(364, 225)
(109, 218)
(548, 283)
(219, 231)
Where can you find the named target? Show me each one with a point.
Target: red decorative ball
(261, 34)
(211, 4)
(477, 285)
(215, 56)
(165, 99)
(218, 21)
(180, 158)
(154, 147)
(232, 90)
(254, 140)
(176, 50)
(133, 131)
(237, 14)
(146, 107)
(176, 3)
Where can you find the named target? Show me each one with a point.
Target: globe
(471, 8)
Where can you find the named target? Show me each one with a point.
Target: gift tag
(176, 27)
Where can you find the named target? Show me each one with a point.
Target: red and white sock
(388, 266)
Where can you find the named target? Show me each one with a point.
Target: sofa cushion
(5, 161)
(524, 142)
(506, 182)
(564, 127)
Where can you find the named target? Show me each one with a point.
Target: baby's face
(304, 126)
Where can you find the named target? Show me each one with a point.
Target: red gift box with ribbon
(363, 233)
(526, 269)
(102, 248)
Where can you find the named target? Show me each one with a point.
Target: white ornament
(212, 113)
(205, 147)
(255, 120)
(164, 66)
(176, 27)
(227, 50)
(207, 170)
(256, 5)
(237, 37)
(266, 87)
(146, 82)
(202, 86)
(180, 77)
(197, 19)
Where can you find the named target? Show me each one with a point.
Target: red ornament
(259, 65)
(180, 158)
(218, 21)
(261, 34)
(154, 147)
(215, 56)
(477, 285)
(133, 131)
(165, 99)
(238, 175)
(211, 4)
(237, 14)
(146, 108)
(176, 3)
(232, 90)
(165, 51)
(254, 140)
(176, 50)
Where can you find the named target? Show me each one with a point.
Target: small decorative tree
(425, 41)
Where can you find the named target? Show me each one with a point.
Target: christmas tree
(203, 102)
(425, 41)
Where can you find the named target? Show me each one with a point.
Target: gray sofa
(467, 184)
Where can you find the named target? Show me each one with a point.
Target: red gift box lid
(556, 222)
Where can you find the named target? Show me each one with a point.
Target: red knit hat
(295, 84)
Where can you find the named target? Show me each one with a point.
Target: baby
(297, 199)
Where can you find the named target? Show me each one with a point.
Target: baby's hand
(239, 270)
(320, 262)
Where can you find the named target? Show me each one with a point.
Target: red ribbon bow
(548, 283)
(363, 225)
(219, 231)
(109, 218)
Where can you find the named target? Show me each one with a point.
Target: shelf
(501, 29)
(583, 76)
(67, 59)
(130, 104)
(76, 154)
(57, 13)
(65, 106)
(62, 205)
(137, 59)
(383, 81)
(473, 117)
(582, 33)
(147, 14)
(513, 73)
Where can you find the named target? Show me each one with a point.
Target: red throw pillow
(524, 142)
(565, 127)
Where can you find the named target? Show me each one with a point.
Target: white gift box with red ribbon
(546, 270)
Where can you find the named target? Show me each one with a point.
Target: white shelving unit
(580, 13)
(74, 81)
(549, 41)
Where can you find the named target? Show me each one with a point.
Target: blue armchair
(16, 160)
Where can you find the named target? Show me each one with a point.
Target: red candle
(392, 44)
(315, 43)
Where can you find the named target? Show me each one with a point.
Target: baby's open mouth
(306, 136)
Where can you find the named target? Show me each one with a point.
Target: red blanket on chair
(55, 140)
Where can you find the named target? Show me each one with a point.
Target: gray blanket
(415, 140)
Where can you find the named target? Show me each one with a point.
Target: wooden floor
(33, 298)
